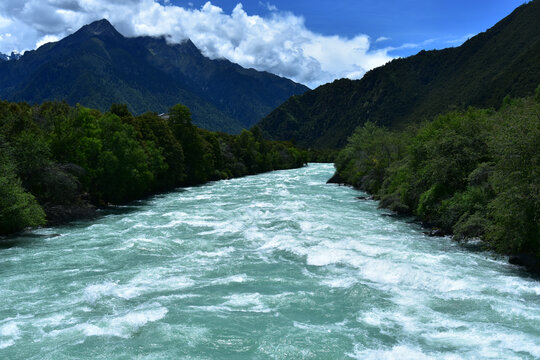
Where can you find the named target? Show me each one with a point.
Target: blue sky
(311, 42)
(431, 24)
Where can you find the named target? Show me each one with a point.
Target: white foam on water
(340, 282)
(513, 285)
(218, 253)
(489, 342)
(6, 343)
(253, 234)
(513, 309)
(54, 320)
(340, 327)
(261, 204)
(175, 214)
(323, 256)
(93, 293)
(239, 278)
(202, 197)
(171, 224)
(240, 302)
(122, 326)
(282, 242)
(9, 334)
(248, 302)
(126, 325)
(142, 283)
(398, 352)
(308, 226)
(10, 329)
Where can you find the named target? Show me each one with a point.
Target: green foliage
(322, 155)
(156, 136)
(198, 166)
(56, 155)
(123, 165)
(18, 208)
(474, 174)
(480, 73)
(515, 210)
(370, 152)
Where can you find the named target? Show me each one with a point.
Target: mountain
(505, 60)
(97, 66)
(13, 56)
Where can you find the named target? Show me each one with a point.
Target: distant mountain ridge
(13, 56)
(505, 60)
(97, 66)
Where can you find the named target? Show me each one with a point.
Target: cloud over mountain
(280, 43)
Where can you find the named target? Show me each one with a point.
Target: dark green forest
(472, 173)
(481, 72)
(58, 162)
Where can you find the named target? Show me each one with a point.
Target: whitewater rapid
(273, 266)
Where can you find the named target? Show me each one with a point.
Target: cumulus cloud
(279, 43)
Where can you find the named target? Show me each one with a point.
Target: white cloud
(382, 38)
(47, 39)
(268, 6)
(461, 40)
(279, 43)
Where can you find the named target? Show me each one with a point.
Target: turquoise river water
(273, 266)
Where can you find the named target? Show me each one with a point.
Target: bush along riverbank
(58, 163)
(472, 174)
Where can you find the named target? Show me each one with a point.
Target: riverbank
(64, 214)
(469, 174)
(58, 162)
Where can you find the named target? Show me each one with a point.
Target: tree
(18, 208)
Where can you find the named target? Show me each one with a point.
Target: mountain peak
(100, 27)
(97, 66)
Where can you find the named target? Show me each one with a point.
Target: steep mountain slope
(505, 60)
(97, 66)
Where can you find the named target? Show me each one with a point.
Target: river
(273, 266)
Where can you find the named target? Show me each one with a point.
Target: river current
(273, 266)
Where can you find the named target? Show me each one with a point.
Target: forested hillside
(57, 162)
(505, 60)
(472, 173)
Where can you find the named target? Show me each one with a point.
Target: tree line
(57, 160)
(472, 173)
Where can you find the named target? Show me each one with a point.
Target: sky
(310, 41)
